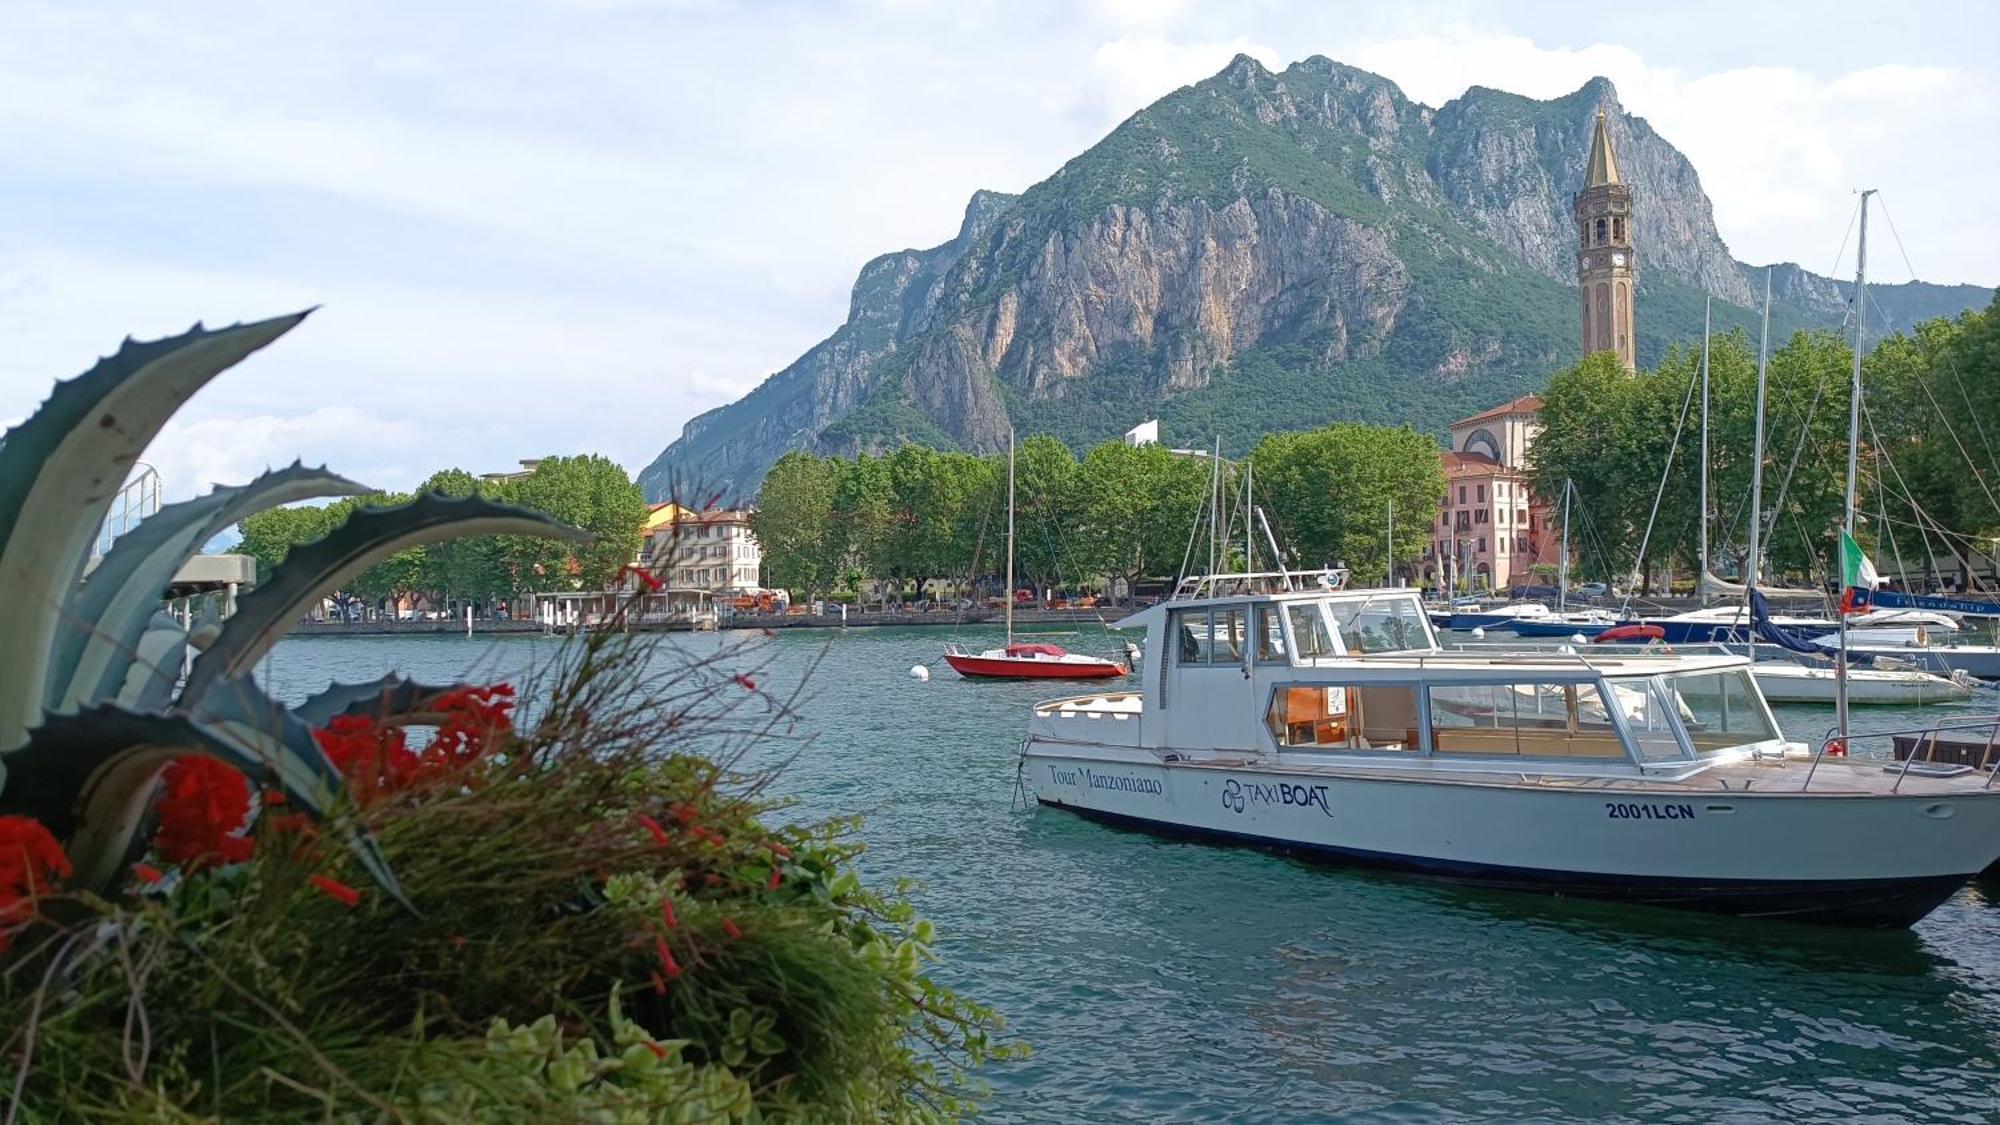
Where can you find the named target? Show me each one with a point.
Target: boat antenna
(1249, 545)
(1853, 460)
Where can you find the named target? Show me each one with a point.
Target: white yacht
(1329, 724)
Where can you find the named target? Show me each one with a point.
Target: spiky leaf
(61, 469)
(101, 629)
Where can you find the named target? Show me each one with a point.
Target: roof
(669, 513)
(1526, 404)
(1603, 167)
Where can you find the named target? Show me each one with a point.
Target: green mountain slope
(1259, 252)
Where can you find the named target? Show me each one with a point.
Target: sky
(566, 226)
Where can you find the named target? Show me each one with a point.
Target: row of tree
(589, 492)
(1122, 512)
(1930, 430)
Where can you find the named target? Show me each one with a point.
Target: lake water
(1169, 981)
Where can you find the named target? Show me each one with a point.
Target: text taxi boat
(1329, 724)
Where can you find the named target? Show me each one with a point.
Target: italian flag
(1857, 576)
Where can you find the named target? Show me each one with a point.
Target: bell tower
(1604, 261)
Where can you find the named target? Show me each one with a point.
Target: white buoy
(1578, 639)
(1479, 633)
(919, 673)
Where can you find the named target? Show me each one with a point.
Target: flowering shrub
(31, 863)
(605, 927)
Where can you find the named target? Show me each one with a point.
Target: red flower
(667, 913)
(659, 984)
(340, 892)
(778, 849)
(201, 814)
(668, 965)
(777, 877)
(730, 927)
(748, 683)
(652, 826)
(147, 873)
(659, 1052)
(31, 862)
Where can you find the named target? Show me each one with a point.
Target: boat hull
(1794, 683)
(1018, 668)
(1728, 852)
(1530, 628)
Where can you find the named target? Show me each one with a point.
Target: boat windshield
(1390, 623)
(1310, 635)
(1722, 709)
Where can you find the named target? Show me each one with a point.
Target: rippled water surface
(1168, 981)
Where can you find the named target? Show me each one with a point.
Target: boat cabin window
(1345, 717)
(1722, 709)
(1270, 636)
(1212, 638)
(1525, 719)
(1389, 624)
(1310, 635)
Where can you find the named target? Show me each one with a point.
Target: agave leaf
(104, 621)
(59, 472)
(155, 667)
(315, 569)
(391, 697)
(89, 777)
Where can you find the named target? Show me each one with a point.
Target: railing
(139, 498)
(1259, 582)
(1930, 735)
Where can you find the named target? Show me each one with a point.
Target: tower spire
(1603, 159)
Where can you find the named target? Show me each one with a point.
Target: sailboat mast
(1701, 571)
(1853, 462)
(1392, 542)
(1249, 539)
(1754, 569)
(1562, 564)
(1010, 537)
(1214, 504)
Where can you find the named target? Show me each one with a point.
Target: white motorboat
(1783, 681)
(1339, 730)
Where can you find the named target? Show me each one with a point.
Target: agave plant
(92, 702)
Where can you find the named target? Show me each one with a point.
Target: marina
(1358, 992)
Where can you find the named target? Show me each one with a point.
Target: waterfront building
(1491, 529)
(713, 551)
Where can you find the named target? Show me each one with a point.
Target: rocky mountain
(1258, 252)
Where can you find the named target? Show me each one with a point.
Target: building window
(1600, 232)
(1503, 515)
(1482, 544)
(1479, 516)
(1461, 494)
(1482, 494)
(1618, 230)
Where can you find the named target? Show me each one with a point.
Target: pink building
(1491, 529)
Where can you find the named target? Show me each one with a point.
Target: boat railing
(1927, 739)
(1259, 582)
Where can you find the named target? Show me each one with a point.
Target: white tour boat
(1329, 724)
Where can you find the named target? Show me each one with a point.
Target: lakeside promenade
(853, 620)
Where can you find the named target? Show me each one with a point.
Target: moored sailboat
(1026, 660)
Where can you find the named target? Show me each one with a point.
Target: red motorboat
(1629, 634)
(1031, 662)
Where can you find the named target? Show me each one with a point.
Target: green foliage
(794, 524)
(1330, 492)
(589, 492)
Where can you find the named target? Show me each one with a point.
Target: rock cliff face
(1258, 251)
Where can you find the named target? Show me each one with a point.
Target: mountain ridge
(1309, 239)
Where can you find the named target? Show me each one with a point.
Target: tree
(589, 492)
(863, 512)
(794, 523)
(1329, 493)
(1137, 504)
(1046, 477)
